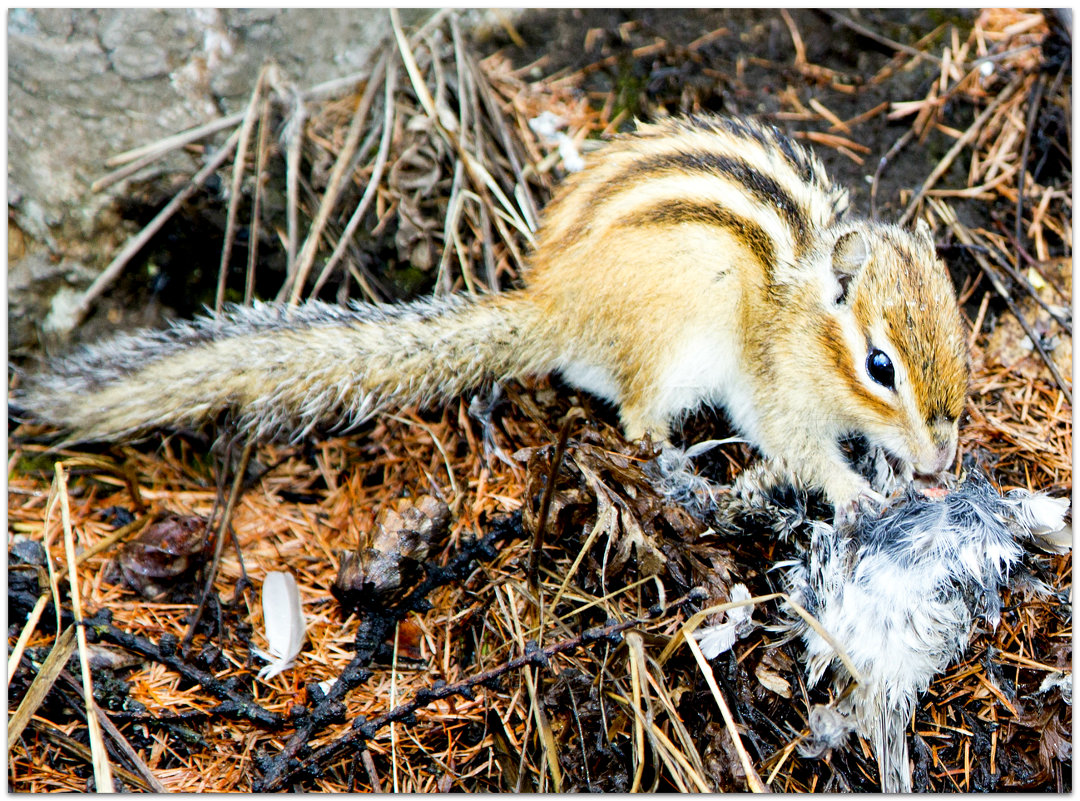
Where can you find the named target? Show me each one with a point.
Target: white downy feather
(283, 618)
(715, 640)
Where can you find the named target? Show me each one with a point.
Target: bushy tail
(284, 370)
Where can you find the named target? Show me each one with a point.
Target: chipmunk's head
(903, 351)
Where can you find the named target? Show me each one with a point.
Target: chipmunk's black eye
(880, 368)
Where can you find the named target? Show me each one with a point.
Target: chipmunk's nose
(943, 459)
(938, 457)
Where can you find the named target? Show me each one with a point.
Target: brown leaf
(163, 552)
(374, 577)
(1055, 743)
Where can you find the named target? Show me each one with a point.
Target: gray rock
(87, 84)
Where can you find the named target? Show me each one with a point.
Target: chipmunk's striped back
(772, 194)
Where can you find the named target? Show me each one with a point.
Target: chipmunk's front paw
(865, 501)
(757, 483)
(676, 478)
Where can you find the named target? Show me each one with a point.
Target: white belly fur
(704, 371)
(593, 379)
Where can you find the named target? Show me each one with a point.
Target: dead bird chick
(764, 488)
(899, 594)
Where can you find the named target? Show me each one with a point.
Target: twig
(373, 630)
(162, 146)
(103, 781)
(442, 452)
(1038, 267)
(239, 165)
(133, 758)
(54, 578)
(832, 140)
(294, 136)
(637, 657)
(796, 38)
(1034, 101)
(148, 154)
(329, 709)
(830, 116)
(62, 649)
(1019, 278)
(119, 740)
(549, 747)
(372, 188)
(67, 320)
(575, 78)
(131, 161)
(232, 704)
(369, 766)
(452, 241)
(256, 204)
(581, 736)
(226, 517)
(444, 123)
(960, 144)
(1035, 339)
(877, 37)
(508, 142)
(545, 506)
(298, 277)
(470, 134)
(752, 777)
(858, 119)
(77, 749)
(1054, 88)
(965, 237)
(897, 146)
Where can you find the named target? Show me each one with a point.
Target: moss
(629, 87)
(30, 463)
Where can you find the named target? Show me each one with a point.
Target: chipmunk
(700, 260)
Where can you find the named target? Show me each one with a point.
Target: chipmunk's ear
(923, 233)
(850, 255)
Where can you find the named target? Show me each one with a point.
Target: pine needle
(103, 781)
